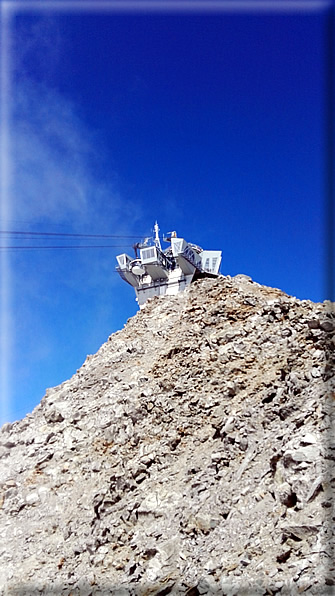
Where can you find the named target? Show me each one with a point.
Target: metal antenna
(157, 240)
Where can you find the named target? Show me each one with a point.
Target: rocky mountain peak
(190, 455)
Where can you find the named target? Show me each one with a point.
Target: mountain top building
(158, 272)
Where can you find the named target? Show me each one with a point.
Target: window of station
(214, 261)
(177, 246)
(148, 253)
(122, 260)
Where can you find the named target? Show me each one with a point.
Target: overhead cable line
(62, 247)
(67, 234)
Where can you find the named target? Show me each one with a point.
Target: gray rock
(53, 415)
(190, 455)
(327, 325)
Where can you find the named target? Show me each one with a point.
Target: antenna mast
(157, 240)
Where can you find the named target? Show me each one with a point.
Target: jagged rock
(191, 455)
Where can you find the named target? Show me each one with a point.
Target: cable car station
(158, 272)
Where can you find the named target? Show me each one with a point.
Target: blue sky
(213, 122)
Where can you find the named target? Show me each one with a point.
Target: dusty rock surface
(192, 454)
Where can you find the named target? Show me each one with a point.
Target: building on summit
(158, 272)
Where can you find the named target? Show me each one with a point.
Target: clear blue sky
(212, 122)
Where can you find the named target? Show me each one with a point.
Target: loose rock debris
(192, 454)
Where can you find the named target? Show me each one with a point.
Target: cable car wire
(63, 247)
(64, 234)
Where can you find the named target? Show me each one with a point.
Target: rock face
(191, 455)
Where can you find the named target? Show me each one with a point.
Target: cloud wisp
(51, 154)
(51, 165)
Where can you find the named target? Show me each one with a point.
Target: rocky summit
(192, 454)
